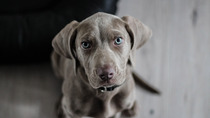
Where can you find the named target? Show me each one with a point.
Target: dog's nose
(105, 73)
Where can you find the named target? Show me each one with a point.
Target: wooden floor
(176, 60)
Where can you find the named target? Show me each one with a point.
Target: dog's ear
(63, 43)
(138, 32)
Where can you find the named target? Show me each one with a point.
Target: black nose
(105, 73)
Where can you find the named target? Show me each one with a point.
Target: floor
(175, 60)
(28, 91)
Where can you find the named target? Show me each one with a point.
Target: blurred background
(176, 60)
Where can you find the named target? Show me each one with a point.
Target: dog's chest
(103, 105)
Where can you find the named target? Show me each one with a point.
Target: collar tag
(103, 89)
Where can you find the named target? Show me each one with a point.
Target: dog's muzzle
(105, 89)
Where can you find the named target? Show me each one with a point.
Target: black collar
(105, 89)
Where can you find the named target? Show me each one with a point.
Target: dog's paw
(59, 110)
(130, 112)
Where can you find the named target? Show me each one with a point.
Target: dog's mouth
(108, 85)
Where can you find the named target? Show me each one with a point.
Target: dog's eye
(118, 41)
(86, 45)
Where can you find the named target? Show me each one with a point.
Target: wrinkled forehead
(100, 24)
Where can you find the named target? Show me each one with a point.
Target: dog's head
(103, 45)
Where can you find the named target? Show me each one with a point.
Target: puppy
(95, 58)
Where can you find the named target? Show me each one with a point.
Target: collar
(105, 89)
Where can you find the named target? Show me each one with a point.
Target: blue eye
(86, 45)
(118, 41)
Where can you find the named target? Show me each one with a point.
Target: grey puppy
(95, 59)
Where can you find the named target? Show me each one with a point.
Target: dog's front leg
(68, 115)
(65, 112)
(130, 112)
(117, 115)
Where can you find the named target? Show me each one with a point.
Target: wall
(176, 59)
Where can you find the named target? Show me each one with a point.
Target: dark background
(27, 27)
